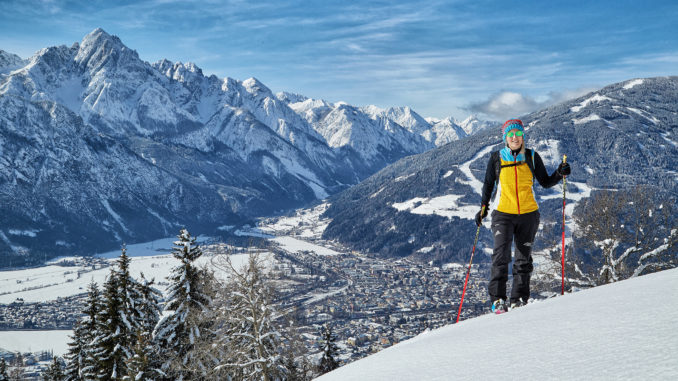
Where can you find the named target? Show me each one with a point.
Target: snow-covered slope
(625, 330)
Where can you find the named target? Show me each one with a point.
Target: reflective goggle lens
(512, 134)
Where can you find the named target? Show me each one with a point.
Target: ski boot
(499, 306)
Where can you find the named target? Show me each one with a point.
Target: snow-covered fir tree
(330, 350)
(251, 341)
(141, 365)
(54, 372)
(144, 363)
(75, 356)
(116, 333)
(81, 359)
(185, 320)
(110, 341)
(147, 306)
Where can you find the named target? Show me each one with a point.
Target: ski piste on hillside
(624, 330)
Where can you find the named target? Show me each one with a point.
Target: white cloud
(505, 105)
(509, 104)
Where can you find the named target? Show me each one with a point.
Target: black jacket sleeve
(542, 176)
(490, 179)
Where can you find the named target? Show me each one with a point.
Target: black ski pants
(506, 227)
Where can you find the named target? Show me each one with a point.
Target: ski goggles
(512, 134)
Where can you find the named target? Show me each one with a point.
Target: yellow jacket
(515, 189)
(516, 180)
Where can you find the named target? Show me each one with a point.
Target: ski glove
(479, 217)
(564, 169)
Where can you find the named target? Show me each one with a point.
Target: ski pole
(562, 258)
(475, 241)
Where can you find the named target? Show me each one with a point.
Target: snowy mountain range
(98, 147)
(618, 331)
(620, 136)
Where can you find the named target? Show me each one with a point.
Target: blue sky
(442, 58)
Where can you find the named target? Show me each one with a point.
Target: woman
(517, 213)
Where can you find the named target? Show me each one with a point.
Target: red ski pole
(562, 258)
(475, 241)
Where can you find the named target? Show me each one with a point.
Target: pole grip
(564, 158)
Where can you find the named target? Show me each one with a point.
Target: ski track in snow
(626, 330)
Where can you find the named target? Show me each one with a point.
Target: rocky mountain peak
(256, 88)
(99, 50)
(10, 61)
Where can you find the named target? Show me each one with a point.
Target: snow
(644, 114)
(549, 151)
(29, 233)
(294, 245)
(586, 102)
(401, 178)
(633, 83)
(113, 214)
(625, 330)
(35, 341)
(587, 119)
(446, 206)
(69, 93)
(475, 184)
(318, 297)
(305, 223)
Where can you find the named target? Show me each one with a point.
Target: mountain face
(99, 147)
(9, 62)
(623, 135)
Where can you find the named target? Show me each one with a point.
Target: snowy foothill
(625, 330)
(50, 282)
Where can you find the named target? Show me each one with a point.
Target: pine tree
(121, 320)
(75, 355)
(145, 362)
(328, 362)
(3, 370)
(178, 333)
(140, 366)
(112, 343)
(80, 360)
(252, 341)
(90, 361)
(54, 372)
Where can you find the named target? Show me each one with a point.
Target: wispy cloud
(440, 57)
